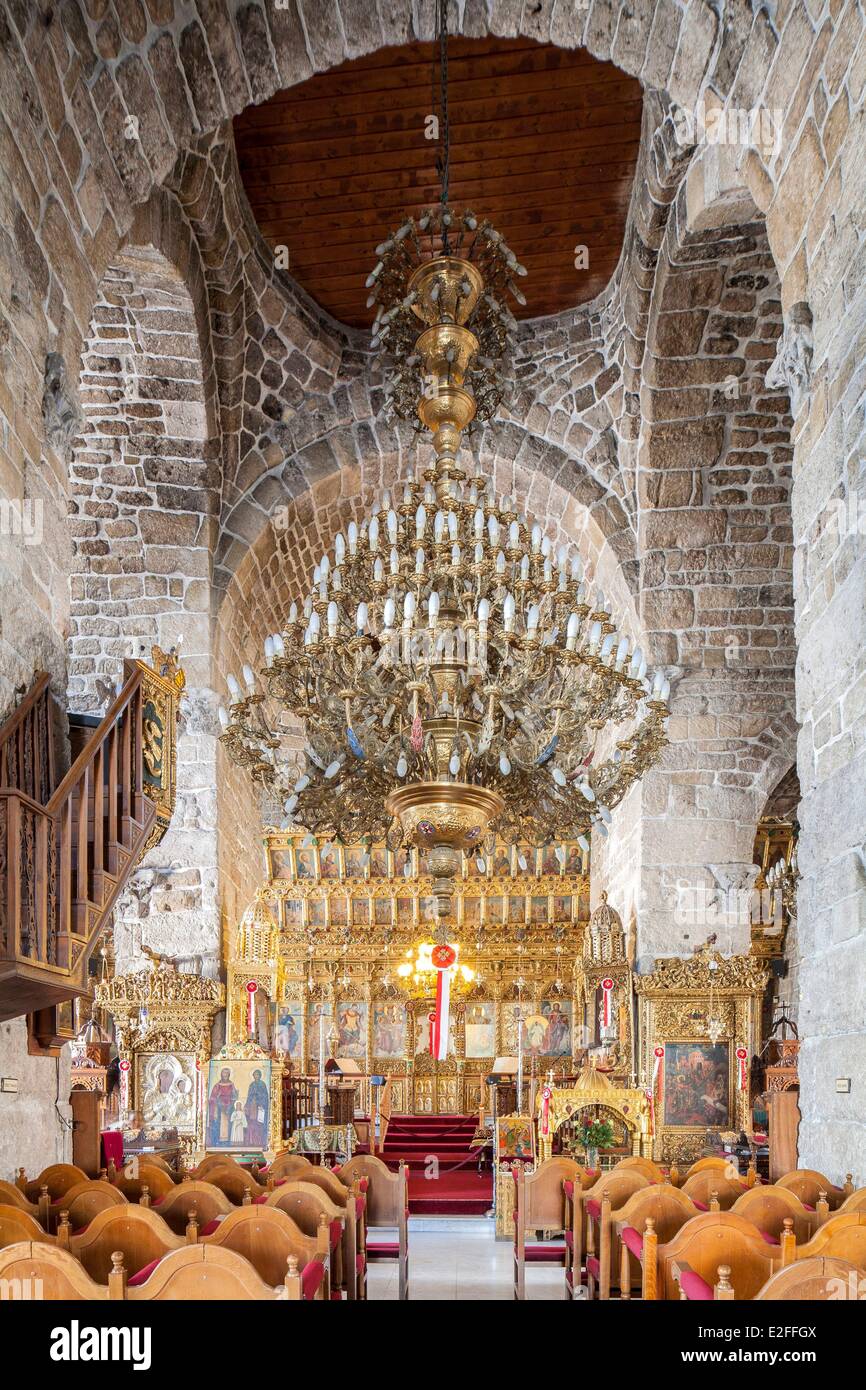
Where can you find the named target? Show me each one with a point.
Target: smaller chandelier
(418, 972)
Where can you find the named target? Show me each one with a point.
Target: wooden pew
(267, 1237)
(57, 1178)
(200, 1198)
(138, 1233)
(687, 1265)
(712, 1186)
(155, 1181)
(841, 1237)
(12, 1196)
(856, 1202)
(387, 1206)
(541, 1203)
(584, 1212)
(290, 1166)
(194, 1273)
(768, 1207)
(306, 1203)
(644, 1165)
(818, 1278)
(809, 1185)
(237, 1184)
(82, 1202)
(620, 1244)
(17, 1225)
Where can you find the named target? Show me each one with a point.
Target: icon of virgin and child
(233, 1122)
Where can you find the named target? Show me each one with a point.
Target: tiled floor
(458, 1258)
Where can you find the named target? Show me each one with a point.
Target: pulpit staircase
(69, 845)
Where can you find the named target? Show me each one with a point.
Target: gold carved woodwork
(162, 687)
(162, 1010)
(675, 1000)
(343, 921)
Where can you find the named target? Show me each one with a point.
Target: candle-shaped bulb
(361, 618)
(333, 619)
(532, 620)
(224, 717)
(433, 608)
(571, 631)
(234, 688)
(408, 608)
(508, 613)
(389, 613)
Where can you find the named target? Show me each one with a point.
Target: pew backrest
(842, 1237)
(768, 1206)
(186, 1198)
(156, 1180)
(808, 1184)
(82, 1202)
(58, 1178)
(540, 1195)
(710, 1185)
(137, 1232)
(713, 1239)
(45, 1271)
(386, 1191)
(824, 1279)
(17, 1225)
(266, 1237)
(203, 1272)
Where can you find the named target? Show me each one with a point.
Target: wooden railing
(27, 743)
(64, 861)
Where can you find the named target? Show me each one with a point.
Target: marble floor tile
(460, 1259)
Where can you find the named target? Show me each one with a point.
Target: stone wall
(107, 102)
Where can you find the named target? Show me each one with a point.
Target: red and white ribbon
(742, 1058)
(606, 1004)
(545, 1109)
(252, 987)
(658, 1081)
(124, 1065)
(443, 957)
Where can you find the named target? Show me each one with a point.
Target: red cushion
(211, 1226)
(336, 1296)
(569, 1239)
(593, 1267)
(543, 1254)
(364, 1184)
(142, 1275)
(568, 1187)
(360, 1264)
(593, 1208)
(336, 1229)
(701, 1206)
(159, 1199)
(633, 1240)
(383, 1250)
(359, 1208)
(311, 1278)
(257, 1201)
(696, 1289)
(771, 1240)
(111, 1141)
(808, 1208)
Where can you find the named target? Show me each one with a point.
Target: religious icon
(480, 1029)
(352, 1028)
(288, 1029)
(696, 1084)
(166, 1090)
(238, 1104)
(546, 1030)
(389, 1034)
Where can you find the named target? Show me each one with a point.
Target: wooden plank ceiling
(543, 142)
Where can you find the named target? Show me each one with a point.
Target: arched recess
(144, 479)
(315, 495)
(715, 549)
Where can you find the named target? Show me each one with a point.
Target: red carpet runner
(443, 1170)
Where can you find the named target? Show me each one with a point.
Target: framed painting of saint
(697, 1084)
(480, 1028)
(287, 1028)
(389, 1029)
(352, 1028)
(165, 1090)
(238, 1104)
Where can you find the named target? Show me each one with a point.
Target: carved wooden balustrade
(67, 851)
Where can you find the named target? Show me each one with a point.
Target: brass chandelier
(453, 674)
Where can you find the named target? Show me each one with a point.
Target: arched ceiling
(544, 142)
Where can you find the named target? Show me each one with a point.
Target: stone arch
(144, 476)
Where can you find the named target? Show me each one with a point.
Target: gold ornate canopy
(163, 1019)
